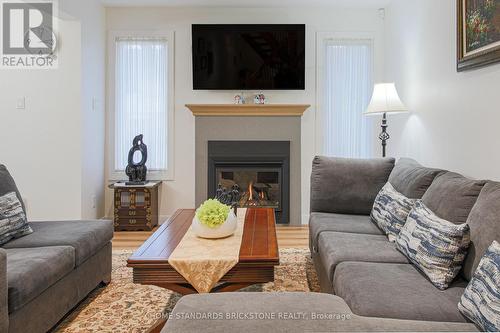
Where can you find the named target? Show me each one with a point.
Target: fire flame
(250, 191)
(254, 197)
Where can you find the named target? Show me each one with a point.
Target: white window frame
(321, 42)
(167, 174)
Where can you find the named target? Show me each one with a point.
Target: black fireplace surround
(267, 161)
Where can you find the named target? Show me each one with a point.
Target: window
(142, 102)
(347, 86)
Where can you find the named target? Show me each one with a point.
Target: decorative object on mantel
(239, 99)
(248, 110)
(385, 99)
(136, 172)
(259, 99)
(213, 219)
(478, 33)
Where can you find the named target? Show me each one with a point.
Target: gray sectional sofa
(45, 274)
(362, 275)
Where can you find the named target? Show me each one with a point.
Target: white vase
(224, 230)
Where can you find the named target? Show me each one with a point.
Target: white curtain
(348, 87)
(141, 99)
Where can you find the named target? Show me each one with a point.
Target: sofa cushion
(437, 247)
(452, 196)
(484, 223)
(481, 298)
(32, 270)
(337, 247)
(13, 222)
(7, 184)
(86, 237)
(390, 210)
(346, 185)
(284, 312)
(411, 179)
(396, 291)
(319, 222)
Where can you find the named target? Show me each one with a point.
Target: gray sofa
(292, 311)
(45, 274)
(361, 273)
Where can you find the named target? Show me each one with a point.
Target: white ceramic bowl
(224, 230)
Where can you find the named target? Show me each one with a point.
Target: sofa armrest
(4, 310)
(346, 185)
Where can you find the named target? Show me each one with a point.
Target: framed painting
(478, 33)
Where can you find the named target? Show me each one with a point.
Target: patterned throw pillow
(13, 222)
(436, 246)
(390, 210)
(481, 299)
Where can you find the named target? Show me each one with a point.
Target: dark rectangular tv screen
(248, 56)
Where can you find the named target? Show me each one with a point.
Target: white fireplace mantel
(249, 122)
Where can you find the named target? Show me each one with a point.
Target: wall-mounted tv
(248, 56)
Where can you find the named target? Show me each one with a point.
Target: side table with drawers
(135, 206)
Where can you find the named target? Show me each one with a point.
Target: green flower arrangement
(212, 213)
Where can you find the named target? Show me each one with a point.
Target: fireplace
(261, 169)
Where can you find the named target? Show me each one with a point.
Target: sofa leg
(105, 281)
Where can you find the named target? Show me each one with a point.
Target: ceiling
(249, 3)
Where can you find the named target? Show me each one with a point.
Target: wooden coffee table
(258, 253)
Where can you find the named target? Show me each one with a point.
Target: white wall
(455, 116)
(42, 145)
(180, 192)
(93, 112)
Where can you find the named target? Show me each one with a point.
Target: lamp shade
(385, 99)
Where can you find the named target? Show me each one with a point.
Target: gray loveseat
(45, 274)
(372, 283)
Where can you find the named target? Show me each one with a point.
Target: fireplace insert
(261, 169)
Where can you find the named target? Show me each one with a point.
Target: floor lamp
(385, 100)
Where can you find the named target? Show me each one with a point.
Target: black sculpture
(136, 172)
(228, 197)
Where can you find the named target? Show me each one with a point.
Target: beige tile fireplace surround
(248, 122)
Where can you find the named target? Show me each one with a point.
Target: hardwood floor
(294, 236)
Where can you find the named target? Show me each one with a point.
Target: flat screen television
(248, 56)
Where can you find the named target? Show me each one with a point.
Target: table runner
(203, 262)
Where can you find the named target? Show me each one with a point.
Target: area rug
(123, 306)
